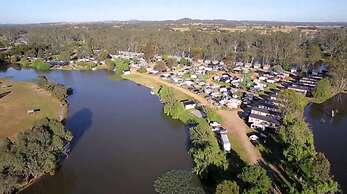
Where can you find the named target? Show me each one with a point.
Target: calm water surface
(122, 140)
(330, 134)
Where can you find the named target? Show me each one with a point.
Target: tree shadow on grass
(79, 123)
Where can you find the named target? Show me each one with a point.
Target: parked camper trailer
(225, 142)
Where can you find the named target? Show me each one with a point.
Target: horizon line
(163, 20)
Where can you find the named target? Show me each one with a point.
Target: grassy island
(33, 139)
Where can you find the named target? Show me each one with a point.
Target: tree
(321, 167)
(64, 56)
(256, 180)
(323, 90)
(166, 56)
(339, 72)
(13, 59)
(149, 51)
(184, 61)
(110, 64)
(32, 153)
(294, 104)
(103, 55)
(314, 54)
(229, 61)
(298, 142)
(142, 70)
(58, 90)
(227, 187)
(197, 53)
(171, 62)
(24, 62)
(246, 81)
(209, 160)
(40, 65)
(278, 69)
(167, 95)
(122, 65)
(160, 66)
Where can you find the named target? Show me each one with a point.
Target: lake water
(330, 134)
(122, 139)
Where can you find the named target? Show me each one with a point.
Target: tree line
(277, 48)
(309, 170)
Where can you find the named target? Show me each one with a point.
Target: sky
(42, 11)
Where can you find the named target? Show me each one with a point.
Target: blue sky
(36, 11)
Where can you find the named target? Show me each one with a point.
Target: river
(122, 139)
(330, 134)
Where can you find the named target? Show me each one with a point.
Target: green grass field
(23, 97)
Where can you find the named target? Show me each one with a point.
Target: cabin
(188, 104)
(256, 65)
(265, 112)
(260, 121)
(198, 112)
(301, 89)
(234, 103)
(32, 111)
(58, 63)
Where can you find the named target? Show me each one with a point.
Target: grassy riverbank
(20, 98)
(153, 84)
(237, 128)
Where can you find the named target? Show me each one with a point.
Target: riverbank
(231, 121)
(23, 103)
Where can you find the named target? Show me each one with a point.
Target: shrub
(227, 187)
(122, 65)
(32, 154)
(40, 65)
(142, 70)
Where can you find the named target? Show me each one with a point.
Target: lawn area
(25, 96)
(153, 84)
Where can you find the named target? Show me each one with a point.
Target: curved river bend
(122, 140)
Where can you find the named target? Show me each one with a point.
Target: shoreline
(237, 129)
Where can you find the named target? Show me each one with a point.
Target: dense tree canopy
(323, 90)
(32, 154)
(312, 169)
(227, 187)
(256, 179)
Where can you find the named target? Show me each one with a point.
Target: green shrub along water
(122, 65)
(58, 90)
(210, 162)
(32, 154)
(309, 168)
(40, 65)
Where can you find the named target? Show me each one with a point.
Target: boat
(152, 93)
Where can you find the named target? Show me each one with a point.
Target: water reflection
(79, 123)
